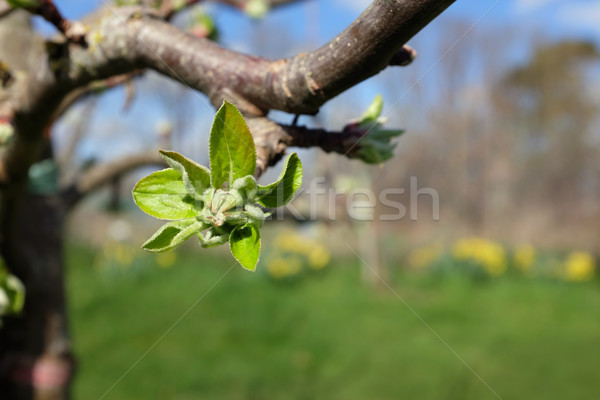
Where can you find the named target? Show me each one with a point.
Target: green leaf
(380, 134)
(163, 195)
(15, 291)
(257, 8)
(12, 292)
(376, 147)
(196, 178)
(25, 3)
(282, 191)
(244, 243)
(232, 151)
(172, 234)
(373, 112)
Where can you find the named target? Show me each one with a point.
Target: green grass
(327, 336)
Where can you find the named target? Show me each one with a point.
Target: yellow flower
(489, 255)
(318, 257)
(280, 268)
(124, 254)
(579, 267)
(524, 257)
(166, 260)
(292, 242)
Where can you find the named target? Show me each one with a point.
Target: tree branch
(5, 8)
(98, 176)
(273, 139)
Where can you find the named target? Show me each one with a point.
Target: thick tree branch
(135, 38)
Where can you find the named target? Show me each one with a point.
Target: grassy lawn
(327, 336)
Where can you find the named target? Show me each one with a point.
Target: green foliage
(196, 178)
(376, 146)
(29, 4)
(257, 8)
(172, 234)
(203, 25)
(163, 195)
(245, 245)
(372, 112)
(219, 205)
(232, 151)
(12, 293)
(121, 3)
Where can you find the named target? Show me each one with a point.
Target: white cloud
(526, 6)
(581, 14)
(574, 15)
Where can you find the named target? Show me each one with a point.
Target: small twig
(295, 121)
(74, 31)
(96, 177)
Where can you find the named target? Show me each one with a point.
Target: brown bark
(35, 351)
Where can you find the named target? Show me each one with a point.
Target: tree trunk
(35, 351)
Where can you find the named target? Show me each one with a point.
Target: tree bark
(36, 360)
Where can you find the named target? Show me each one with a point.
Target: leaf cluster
(221, 204)
(376, 144)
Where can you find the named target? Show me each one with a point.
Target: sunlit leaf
(232, 151)
(373, 112)
(172, 234)
(196, 178)
(282, 191)
(244, 242)
(163, 195)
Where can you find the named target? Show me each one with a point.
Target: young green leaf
(244, 243)
(373, 112)
(232, 151)
(12, 294)
(196, 178)
(163, 195)
(282, 191)
(246, 187)
(214, 237)
(377, 147)
(172, 234)
(25, 3)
